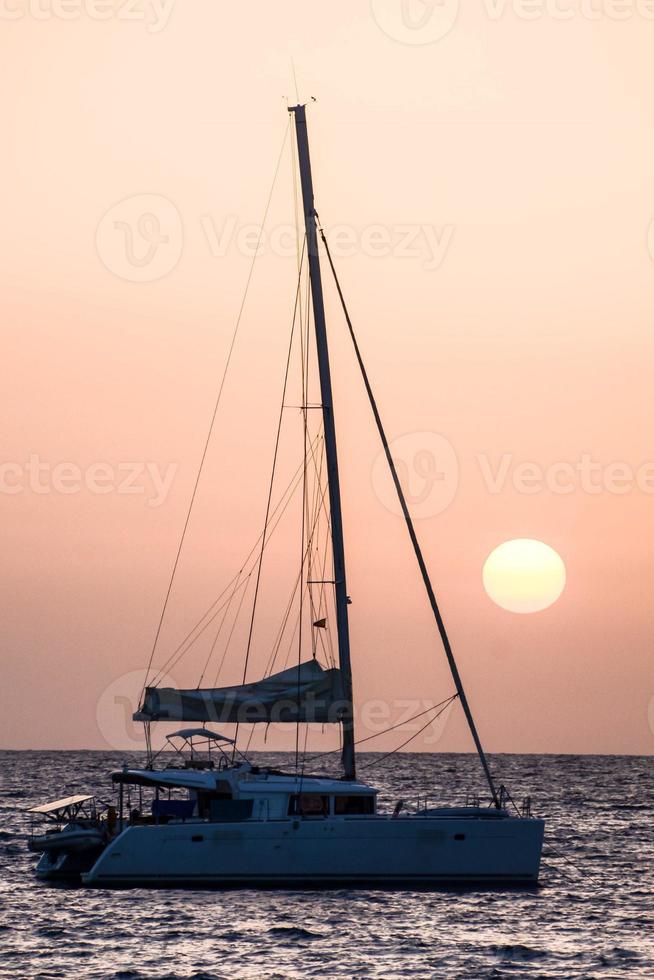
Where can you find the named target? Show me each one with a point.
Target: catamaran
(211, 816)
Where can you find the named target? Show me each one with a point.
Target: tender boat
(76, 835)
(213, 817)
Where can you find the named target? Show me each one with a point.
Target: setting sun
(524, 575)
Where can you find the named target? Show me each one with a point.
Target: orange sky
(512, 159)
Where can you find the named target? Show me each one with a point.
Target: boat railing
(425, 803)
(507, 802)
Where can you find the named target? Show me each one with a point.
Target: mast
(315, 277)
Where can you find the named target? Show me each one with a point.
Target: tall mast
(326, 398)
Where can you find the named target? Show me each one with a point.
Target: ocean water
(591, 917)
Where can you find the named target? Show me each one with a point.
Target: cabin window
(354, 805)
(207, 800)
(308, 805)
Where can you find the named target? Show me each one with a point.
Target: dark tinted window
(309, 805)
(354, 804)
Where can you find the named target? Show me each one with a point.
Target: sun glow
(524, 575)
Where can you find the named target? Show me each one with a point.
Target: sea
(591, 916)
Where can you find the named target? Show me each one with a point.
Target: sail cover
(306, 692)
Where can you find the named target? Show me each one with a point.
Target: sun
(524, 575)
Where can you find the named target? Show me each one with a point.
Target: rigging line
(282, 629)
(375, 762)
(313, 538)
(305, 517)
(280, 633)
(213, 646)
(174, 660)
(323, 597)
(290, 491)
(319, 506)
(275, 517)
(368, 738)
(213, 417)
(272, 482)
(219, 631)
(291, 642)
(298, 236)
(414, 539)
(231, 632)
(552, 852)
(304, 757)
(323, 490)
(253, 728)
(272, 659)
(271, 486)
(327, 649)
(306, 588)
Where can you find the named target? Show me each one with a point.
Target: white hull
(366, 850)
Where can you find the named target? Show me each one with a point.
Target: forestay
(307, 693)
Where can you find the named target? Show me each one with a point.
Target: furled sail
(307, 693)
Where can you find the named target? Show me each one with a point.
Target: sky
(485, 176)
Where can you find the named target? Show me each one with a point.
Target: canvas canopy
(189, 733)
(307, 692)
(60, 806)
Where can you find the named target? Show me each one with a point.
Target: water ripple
(591, 918)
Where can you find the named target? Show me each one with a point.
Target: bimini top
(67, 803)
(200, 733)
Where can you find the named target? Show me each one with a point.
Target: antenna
(297, 92)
